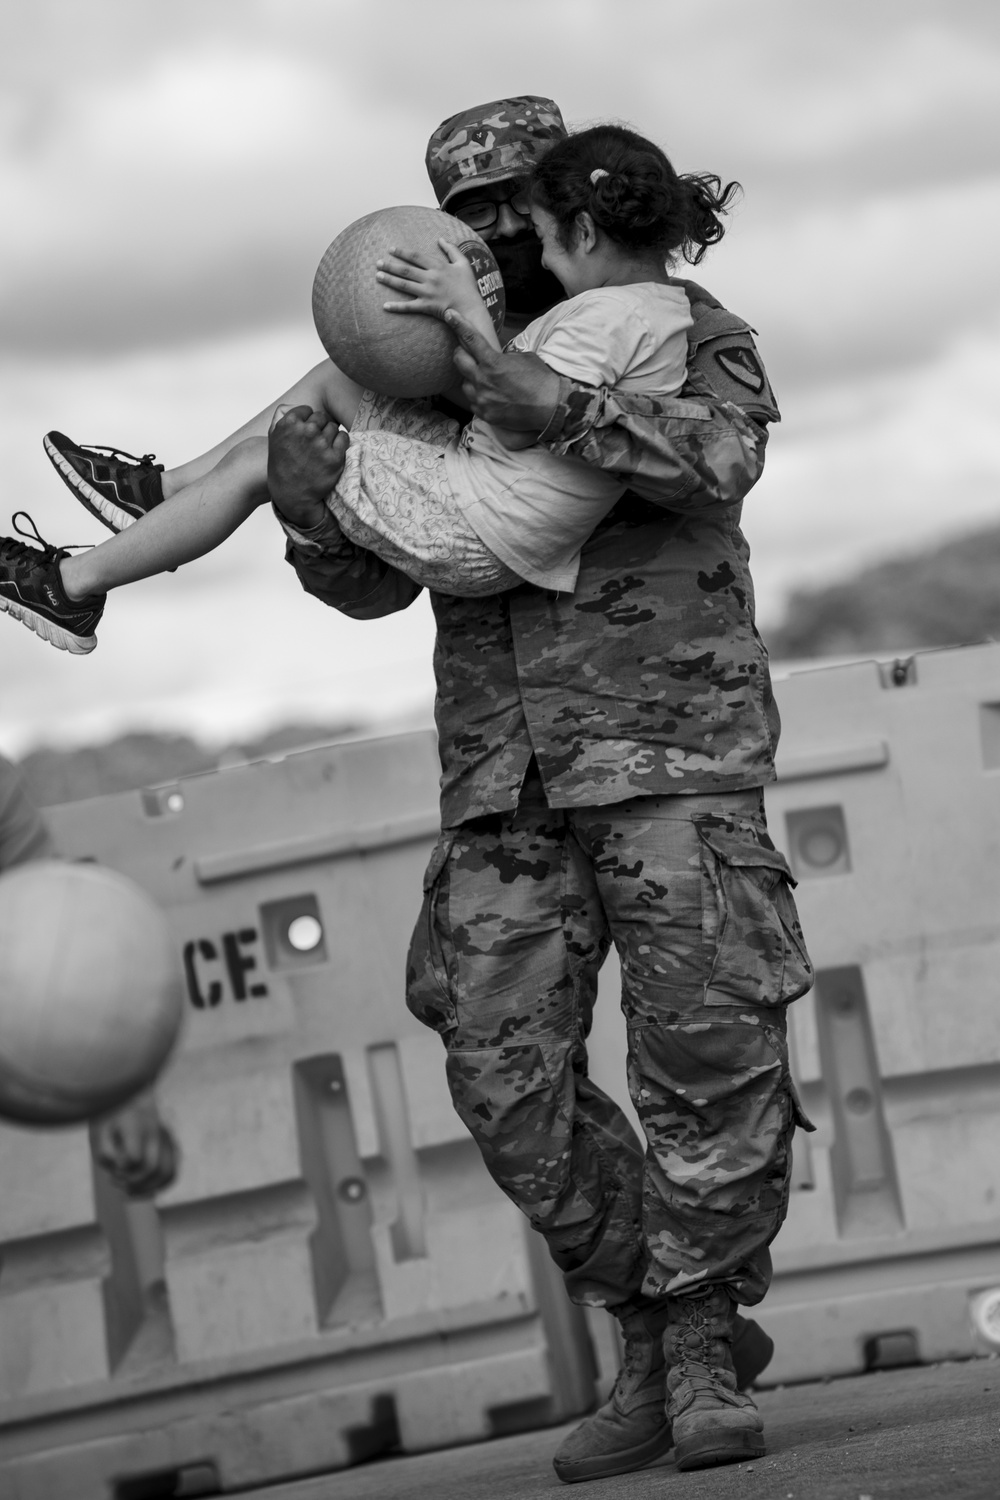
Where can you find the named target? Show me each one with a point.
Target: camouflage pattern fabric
(519, 911)
(651, 676)
(491, 143)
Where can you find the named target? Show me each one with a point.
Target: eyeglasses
(485, 213)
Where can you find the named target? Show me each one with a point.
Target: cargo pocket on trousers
(429, 995)
(749, 918)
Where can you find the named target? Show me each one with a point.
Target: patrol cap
(491, 143)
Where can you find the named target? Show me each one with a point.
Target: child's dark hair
(631, 191)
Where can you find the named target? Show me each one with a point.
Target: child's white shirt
(531, 507)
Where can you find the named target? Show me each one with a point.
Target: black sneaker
(32, 591)
(116, 487)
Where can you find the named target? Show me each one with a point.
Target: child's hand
(135, 1148)
(432, 287)
(305, 458)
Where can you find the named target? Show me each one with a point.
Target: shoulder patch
(742, 365)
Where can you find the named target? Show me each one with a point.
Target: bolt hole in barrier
(891, 1351)
(817, 838)
(293, 932)
(379, 1436)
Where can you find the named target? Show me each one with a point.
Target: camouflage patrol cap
(491, 143)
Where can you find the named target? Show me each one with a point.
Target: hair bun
(632, 193)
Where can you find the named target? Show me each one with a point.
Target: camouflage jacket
(651, 676)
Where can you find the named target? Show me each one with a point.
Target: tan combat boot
(631, 1429)
(713, 1422)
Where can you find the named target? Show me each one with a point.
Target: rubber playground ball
(91, 994)
(393, 353)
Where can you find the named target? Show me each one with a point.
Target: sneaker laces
(147, 461)
(21, 551)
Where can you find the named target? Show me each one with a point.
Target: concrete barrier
(333, 1274)
(887, 805)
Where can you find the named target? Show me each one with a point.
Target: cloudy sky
(171, 171)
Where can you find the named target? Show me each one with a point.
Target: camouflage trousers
(519, 912)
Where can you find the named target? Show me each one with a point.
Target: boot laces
(629, 1366)
(697, 1335)
(702, 1368)
(630, 1356)
(638, 1348)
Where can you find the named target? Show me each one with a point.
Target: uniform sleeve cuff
(310, 538)
(576, 411)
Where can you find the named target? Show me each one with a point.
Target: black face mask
(530, 288)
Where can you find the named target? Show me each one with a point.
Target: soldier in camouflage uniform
(603, 757)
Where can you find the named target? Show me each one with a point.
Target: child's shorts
(394, 499)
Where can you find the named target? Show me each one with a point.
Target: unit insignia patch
(741, 364)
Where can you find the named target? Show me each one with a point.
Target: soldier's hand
(135, 1148)
(517, 391)
(305, 458)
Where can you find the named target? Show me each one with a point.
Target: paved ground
(930, 1433)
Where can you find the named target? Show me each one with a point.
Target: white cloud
(823, 87)
(223, 646)
(171, 170)
(191, 174)
(205, 112)
(878, 467)
(866, 284)
(778, 83)
(196, 179)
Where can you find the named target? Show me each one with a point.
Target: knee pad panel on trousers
(716, 1107)
(518, 1103)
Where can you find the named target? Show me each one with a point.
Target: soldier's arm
(300, 471)
(701, 448)
(344, 576)
(686, 452)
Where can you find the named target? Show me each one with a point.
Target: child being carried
(466, 511)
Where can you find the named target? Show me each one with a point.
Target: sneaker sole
(63, 640)
(106, 511)
(573, 1470)
(707, 1450)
